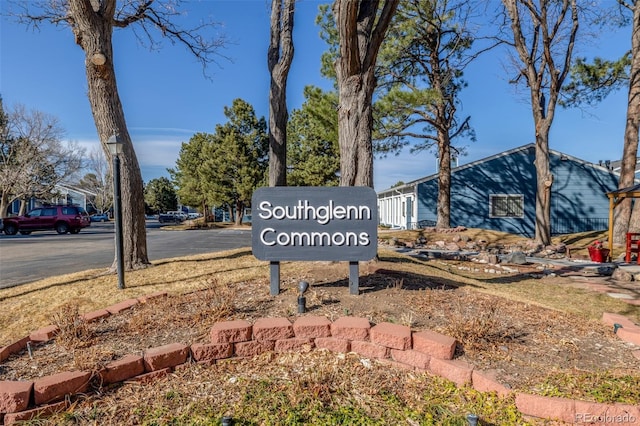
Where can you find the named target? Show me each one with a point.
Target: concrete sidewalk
(598, 277)
(592, 276)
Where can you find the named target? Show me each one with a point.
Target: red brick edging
(418, 350)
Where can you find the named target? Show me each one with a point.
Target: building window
(506, 205)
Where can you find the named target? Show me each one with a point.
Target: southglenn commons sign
(314, 223)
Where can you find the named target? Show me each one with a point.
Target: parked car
(100, 217)
(1, 225)
(172, 217)
(62, 219)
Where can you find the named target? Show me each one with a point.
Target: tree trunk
(239, 212)
(543, 113)
(444, 182)
(280, 56)
(93, 32)
(542, 117)
(545, 63)
(23, 207)
(205, 211)
(355, 121)
(4, 204)
(624, 220)
(544, 181)
(361, 29)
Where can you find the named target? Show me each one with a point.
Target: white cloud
(152, 149)
(158, 152)
(163, 130)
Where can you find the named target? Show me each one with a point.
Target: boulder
(621, 275)
(515, 258)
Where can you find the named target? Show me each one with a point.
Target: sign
(314, 223)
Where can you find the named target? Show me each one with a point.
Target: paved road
(27, 258)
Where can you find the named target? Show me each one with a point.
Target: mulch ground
(524, 344)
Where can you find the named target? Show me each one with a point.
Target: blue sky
(167, 99)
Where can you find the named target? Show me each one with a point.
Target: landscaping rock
(299, 344)
(435, 344)
(607, 271)
(312, 326)
(369, 350)
(334, 344)
(485, 257)
(231, 331)
(44, 334)
(14, 396)
(165, 356)
(546, 407)
(122, 369)
(212, 351)
(253, 348)
(452, 247)
(272, 329)
(393, 336)
(413, 358)
(38, 412)
(516, 258)
(56, 386)
(458, 372)
(620, 275)
(7, 351)
(351, 328)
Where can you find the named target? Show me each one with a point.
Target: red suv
(62, 219)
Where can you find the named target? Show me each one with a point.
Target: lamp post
(302, 301)
(115, 148)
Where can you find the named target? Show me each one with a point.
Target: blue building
(499, 193)
(63, 194)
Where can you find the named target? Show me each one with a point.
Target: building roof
(412, 184)
(617, 165)
(70, 187)
(630, 191)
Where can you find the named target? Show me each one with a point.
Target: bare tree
(544, 34)
(92, 23)
(33, 158)
(592, 81)
(279, 57)
(624, 220)
(98, 180)
(361, 28)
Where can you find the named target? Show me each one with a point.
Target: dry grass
(317, 388)
(74, 332)
(208, 306)
(528, 328)
(481, 331)
(28, 307)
